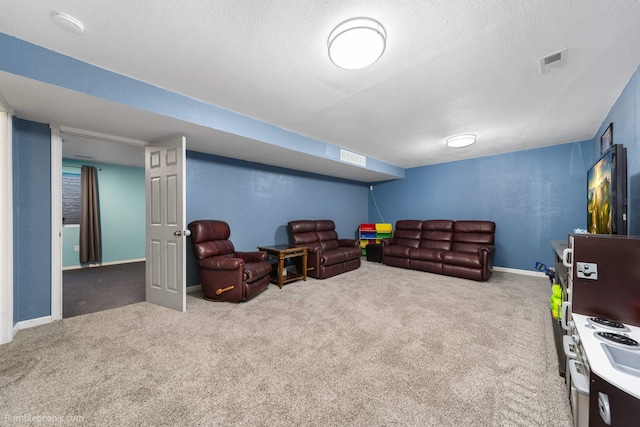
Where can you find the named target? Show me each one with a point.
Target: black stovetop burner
(612, 324)
(618, 339)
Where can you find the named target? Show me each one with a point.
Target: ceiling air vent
(349, 157)
(553, 61)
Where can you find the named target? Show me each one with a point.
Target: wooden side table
(282, 252)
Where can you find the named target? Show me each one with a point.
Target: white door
(165, 185)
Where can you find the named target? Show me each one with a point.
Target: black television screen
(607, 193)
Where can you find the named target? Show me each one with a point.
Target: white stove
(613, 333)
(610, 349)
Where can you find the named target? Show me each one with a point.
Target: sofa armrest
(313, 247)
(254, 256)
(486, 256)
(348, 242)
(388, 241)
(487, 249)
(221, 263)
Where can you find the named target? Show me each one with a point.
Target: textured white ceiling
(450, 67)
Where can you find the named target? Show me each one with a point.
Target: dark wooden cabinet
(624, 408)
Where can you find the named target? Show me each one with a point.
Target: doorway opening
(118, 278)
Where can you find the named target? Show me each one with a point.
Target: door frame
(56, 223)
(7, 330)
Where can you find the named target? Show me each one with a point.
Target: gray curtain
(90, 247)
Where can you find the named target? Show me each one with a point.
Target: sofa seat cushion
(464, 259)
(426, 254)
(256, 270)
(338, 255)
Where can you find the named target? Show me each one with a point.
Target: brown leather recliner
(226, 275)
(328, 255)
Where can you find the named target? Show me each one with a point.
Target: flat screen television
(607, 193)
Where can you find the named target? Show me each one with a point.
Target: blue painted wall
(258, 201)
(121, 191)
(625, 116)
(533, 196)
(70, 238)
(31, 220)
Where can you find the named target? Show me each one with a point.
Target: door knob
(184, 233)
(177, 233)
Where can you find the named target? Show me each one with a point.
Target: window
(70, 199)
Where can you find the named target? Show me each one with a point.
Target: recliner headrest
(208, 229)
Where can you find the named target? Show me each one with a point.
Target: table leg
(280, 268)
(304, 265)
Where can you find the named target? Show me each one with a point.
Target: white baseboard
(522, 272)
(194, 288)
(25, 324)
(103, 264)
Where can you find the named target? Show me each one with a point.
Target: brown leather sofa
(328, 255)
(227, 275)
(455, 248)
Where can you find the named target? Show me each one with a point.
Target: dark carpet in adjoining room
(89, 290)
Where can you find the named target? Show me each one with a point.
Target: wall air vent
(349, 157)
(553, 61)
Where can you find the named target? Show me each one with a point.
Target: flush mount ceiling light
(67, 23)
(461, 141)
(357, 43)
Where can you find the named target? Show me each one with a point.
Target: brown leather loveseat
(328, 255)
(455, 248)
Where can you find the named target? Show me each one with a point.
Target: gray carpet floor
(377, 346)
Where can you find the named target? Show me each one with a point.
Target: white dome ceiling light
(67, 23)
(357, 43)
(461, 141)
